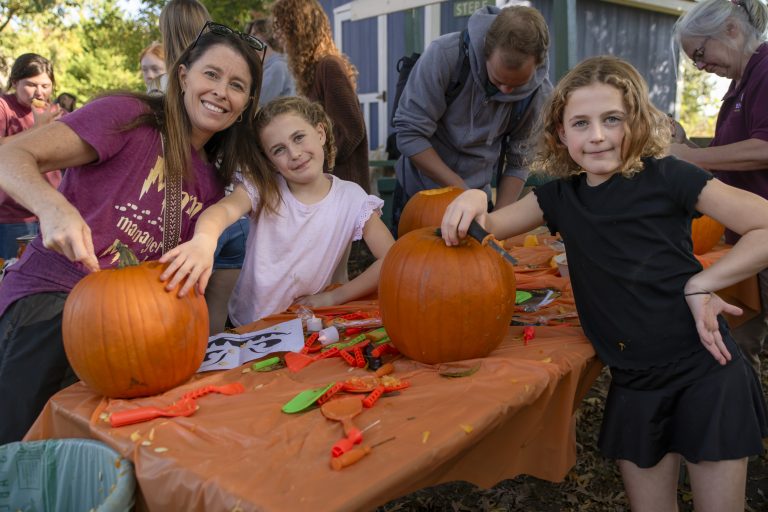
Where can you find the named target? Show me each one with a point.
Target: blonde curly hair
(305, 31)
(647, 129)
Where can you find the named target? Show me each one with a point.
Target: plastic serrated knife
(477, 232)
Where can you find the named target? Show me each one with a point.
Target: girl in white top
(301, 225)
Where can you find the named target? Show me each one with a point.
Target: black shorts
(694, 407)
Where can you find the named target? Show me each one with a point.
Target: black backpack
(406, 63)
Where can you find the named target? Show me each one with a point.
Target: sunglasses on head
(223, 30)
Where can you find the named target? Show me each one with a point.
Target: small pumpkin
(426, 208)
(440, 303)
(126, 336)
(706, 232)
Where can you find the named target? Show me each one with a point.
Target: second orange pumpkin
(426, 208)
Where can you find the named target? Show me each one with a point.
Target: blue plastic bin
(73, 475)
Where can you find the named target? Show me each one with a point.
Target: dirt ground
(593, 485)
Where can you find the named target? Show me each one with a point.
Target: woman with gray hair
(727, 38)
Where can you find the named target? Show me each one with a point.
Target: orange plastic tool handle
(345, 444)
(370, 400)
(349, 458)
(120, 418)
(328, 353)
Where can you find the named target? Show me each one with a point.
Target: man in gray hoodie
(459, 142)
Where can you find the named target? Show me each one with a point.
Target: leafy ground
(593, 485)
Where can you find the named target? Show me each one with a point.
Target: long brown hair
(180, 22)
(647, 129)
(305, 31)
(232, 149)
(313, 113)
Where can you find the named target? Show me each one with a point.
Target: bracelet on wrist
(697, 293)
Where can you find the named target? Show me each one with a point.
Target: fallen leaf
(424, 436)
(546, 360)
(135, 436)
(161, 449)
(457, 371)
(466, 428)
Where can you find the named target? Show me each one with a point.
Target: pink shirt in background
(295, 252)
(15, 118)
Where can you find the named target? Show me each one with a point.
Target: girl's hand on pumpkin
(705, 307)
(191, 262)
(460, 213)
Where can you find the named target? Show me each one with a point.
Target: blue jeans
(8, 234)
(230, 249)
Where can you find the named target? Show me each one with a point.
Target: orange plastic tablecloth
(513, 416)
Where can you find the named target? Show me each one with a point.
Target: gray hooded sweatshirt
(466, 134)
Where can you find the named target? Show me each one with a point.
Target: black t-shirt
(629, 249)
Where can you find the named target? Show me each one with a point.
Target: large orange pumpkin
(426, 208)
(126, 336)
(441, 303)
(706, 232)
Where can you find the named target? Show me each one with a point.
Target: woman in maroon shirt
(727, 38)
(32, 81)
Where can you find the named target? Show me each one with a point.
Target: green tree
(11, 10)
(699, 103)
(93, 44)
(234, 13)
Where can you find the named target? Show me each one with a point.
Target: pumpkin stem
(127, 258)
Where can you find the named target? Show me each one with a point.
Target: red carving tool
(355, 454)
(345, 444)
(528, 334)
(295, 361)
(185, 406)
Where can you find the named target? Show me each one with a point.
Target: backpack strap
(462, 68)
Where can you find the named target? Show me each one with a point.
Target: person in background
(180, 22)
(460, 144)
(152, 62)
(28, 106)
(680, 388)
(727, 38)
(277, 77)
(323, 74)
(66, 102)
(298, 202)
(130, 159)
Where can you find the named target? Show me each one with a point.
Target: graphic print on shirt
(142, 226)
